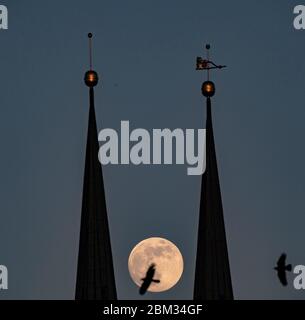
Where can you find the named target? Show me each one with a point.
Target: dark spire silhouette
(95, 274)
(212, 275)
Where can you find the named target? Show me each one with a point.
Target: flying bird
(282, 268)
(149, 278)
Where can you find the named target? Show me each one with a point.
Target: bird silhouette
(149, 278)
(282, 268)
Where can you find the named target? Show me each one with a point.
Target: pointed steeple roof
(95, 274)
(212, 275)
(212, 278)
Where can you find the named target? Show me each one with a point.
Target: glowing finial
(91, 77)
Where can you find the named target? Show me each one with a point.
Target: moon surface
(164, 254)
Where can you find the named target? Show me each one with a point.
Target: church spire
(95, 274)
(212, 275)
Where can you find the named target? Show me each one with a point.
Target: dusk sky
(145, 54)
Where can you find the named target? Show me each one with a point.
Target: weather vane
(208, 87)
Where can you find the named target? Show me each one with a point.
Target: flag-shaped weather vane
(208, 87)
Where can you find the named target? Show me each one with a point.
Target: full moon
(164, 254)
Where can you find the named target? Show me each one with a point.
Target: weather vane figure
(208, 87)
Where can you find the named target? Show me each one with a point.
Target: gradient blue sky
(145, 52)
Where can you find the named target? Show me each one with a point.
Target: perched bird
(281, 269)
(148, 279)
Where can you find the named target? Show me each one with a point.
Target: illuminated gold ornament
(91, 76)
(208, 89)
